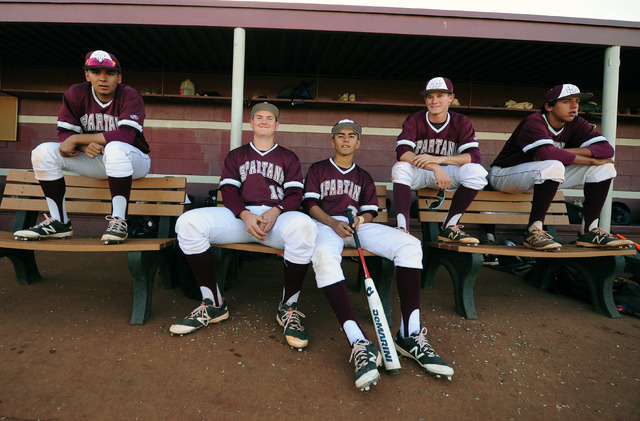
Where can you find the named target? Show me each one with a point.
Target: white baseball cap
(565, 91)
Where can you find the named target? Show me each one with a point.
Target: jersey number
(276, 192)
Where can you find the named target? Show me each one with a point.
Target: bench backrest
(490, 207)
(150, 196)
(381, 190)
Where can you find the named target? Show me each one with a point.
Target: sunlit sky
(622, 10)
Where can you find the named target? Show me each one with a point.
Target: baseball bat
(385, 339)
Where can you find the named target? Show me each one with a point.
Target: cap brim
(427, 92)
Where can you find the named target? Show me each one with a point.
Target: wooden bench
(598, 267)
(381, 269)
(161, 197)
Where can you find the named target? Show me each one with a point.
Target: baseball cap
(100, 59)
(265, 106)
(564, 91)
(346, 124)
(438, 84)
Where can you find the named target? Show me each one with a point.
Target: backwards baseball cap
(438, 84)
(265, 106)
(100, 59)
(346, 124)
(565, 91)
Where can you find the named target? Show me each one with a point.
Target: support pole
(237, 87)
(610, 116)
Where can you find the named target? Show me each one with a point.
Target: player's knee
(553, 170)
(45, 154)
(601, 173)
(473, 176)
(401, 172)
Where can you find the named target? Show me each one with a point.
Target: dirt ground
(67, 352)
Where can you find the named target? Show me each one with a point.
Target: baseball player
(261, 187)
(438, 148)
(100, 132)
(332, 186)
(553, 147)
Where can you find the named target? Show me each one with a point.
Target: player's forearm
(458, 160)
(408, 157)
(319, 215)
(87, 139)
(580, 151)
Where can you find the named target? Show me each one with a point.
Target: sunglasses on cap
(438, 202)
(106, 62)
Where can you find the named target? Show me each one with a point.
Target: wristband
(361, 219)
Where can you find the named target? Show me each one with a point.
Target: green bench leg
(598, 273)
(463, 269)
(24, 264)
(143, 266)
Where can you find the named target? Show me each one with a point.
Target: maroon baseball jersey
(454, 137)
(251, 177)
(120, 119)
(535, 138)
(334, 189)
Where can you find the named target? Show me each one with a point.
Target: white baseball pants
(521, 178)
(294, 232)
(401, 248)
(472, 176)
(119, 160)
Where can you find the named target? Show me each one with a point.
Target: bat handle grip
(355, 232)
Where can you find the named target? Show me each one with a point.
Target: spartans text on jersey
(335, 187)
(436, 147)
(265, 168)
(98, 122)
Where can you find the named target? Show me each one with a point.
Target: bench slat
(492, 196)
(494, 218)
(93, 208)
(21, 176)
(567, 251)
(84, 244)
(97, 193)
(259, 248)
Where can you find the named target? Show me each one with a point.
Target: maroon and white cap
(100, 59)
(565, 91)
(346, 124)
(438, 84)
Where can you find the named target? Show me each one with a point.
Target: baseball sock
(293, 278)
(338, 298)
(120, 188)
(408, 283)
(594, 196)
(542, 198)
(54, 192)
(202, 267)
(402, 196)
(461, 200)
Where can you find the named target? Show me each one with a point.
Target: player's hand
(68, 148)
(602, 161)
(92, 150)
(252, 223)
(270, 217)
(341, 228)
(442, 178)
(424, 160)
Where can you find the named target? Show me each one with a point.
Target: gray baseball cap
(346, 124)
(265, 106)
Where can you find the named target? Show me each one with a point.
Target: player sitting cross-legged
(331, 186)
(261, 187)
(100, 133)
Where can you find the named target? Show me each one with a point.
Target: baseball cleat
(540, 240)
(49, 228)
(117, 231)
(598, 237)
(418, 348)
(454, 234)
(204, 314)
(289, 318)
(367, 359)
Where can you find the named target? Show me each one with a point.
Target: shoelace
(47, 221)
(542, 235)
(359, 354)
(200, 311)
(599, 231)
(115, 224)
(291, 319)
(457, 229)
(424, 345)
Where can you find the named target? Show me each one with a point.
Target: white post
(237, 87)
(610, 116)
